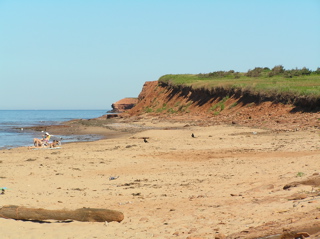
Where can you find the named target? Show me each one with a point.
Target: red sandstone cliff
(124, 104)
(219, 106)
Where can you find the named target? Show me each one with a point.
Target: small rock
(144, 219)
(192, 230)
(220, 236)
(313, 201)
(298, 196)
(302, 235)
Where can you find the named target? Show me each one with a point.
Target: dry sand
(227, 181)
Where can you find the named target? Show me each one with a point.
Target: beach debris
(298, 196)
(113, 178)
(312, 181)
(30, 159)
(220, 236)
(124, 203)
(136, 194)
(287, 234)
(3, 190)
(145, 140)
(40, 214)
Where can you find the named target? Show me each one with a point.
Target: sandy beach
(226, 182)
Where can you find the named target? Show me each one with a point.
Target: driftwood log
(312, 181)
(40, 214)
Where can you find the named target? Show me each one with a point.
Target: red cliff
(124, 104)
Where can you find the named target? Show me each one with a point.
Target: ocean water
(12, 123)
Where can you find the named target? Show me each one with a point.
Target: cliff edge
(123, 105)
(220, 107)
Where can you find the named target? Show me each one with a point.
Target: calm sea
(12, 123)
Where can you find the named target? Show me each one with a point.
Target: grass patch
(177, 104)
(233, 105)
(300, 174)
(296, 82)
(163, 108)
(184, 108)
(148, 110)
(220, 105)
(171, 111)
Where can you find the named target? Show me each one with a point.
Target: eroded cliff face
(124, 104)
(221, 106)
(159, 98)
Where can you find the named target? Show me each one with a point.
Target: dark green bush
(297, 72)
(256, 72)
(277, 70)
(237, 75)
(305, 71)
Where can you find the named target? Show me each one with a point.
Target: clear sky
(77, 54)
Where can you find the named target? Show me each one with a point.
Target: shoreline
(67, 129)
(19, 127)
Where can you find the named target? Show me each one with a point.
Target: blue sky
(76, 54)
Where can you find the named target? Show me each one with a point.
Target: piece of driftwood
(312, 181)
(40, 214)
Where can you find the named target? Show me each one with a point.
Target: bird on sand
(192, 135)
(145, 140)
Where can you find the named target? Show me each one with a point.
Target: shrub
(256, 72)
(305, 71)
(277, 70)
(297, 72)
(217, 74)
(237, 75)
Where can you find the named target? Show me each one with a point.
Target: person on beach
(46, 138)
(42, 142)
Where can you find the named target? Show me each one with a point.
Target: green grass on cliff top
(300, 82)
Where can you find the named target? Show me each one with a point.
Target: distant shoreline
(81, 128)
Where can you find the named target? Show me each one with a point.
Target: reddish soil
(161, 101)
(124, 104)
(168, 104)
